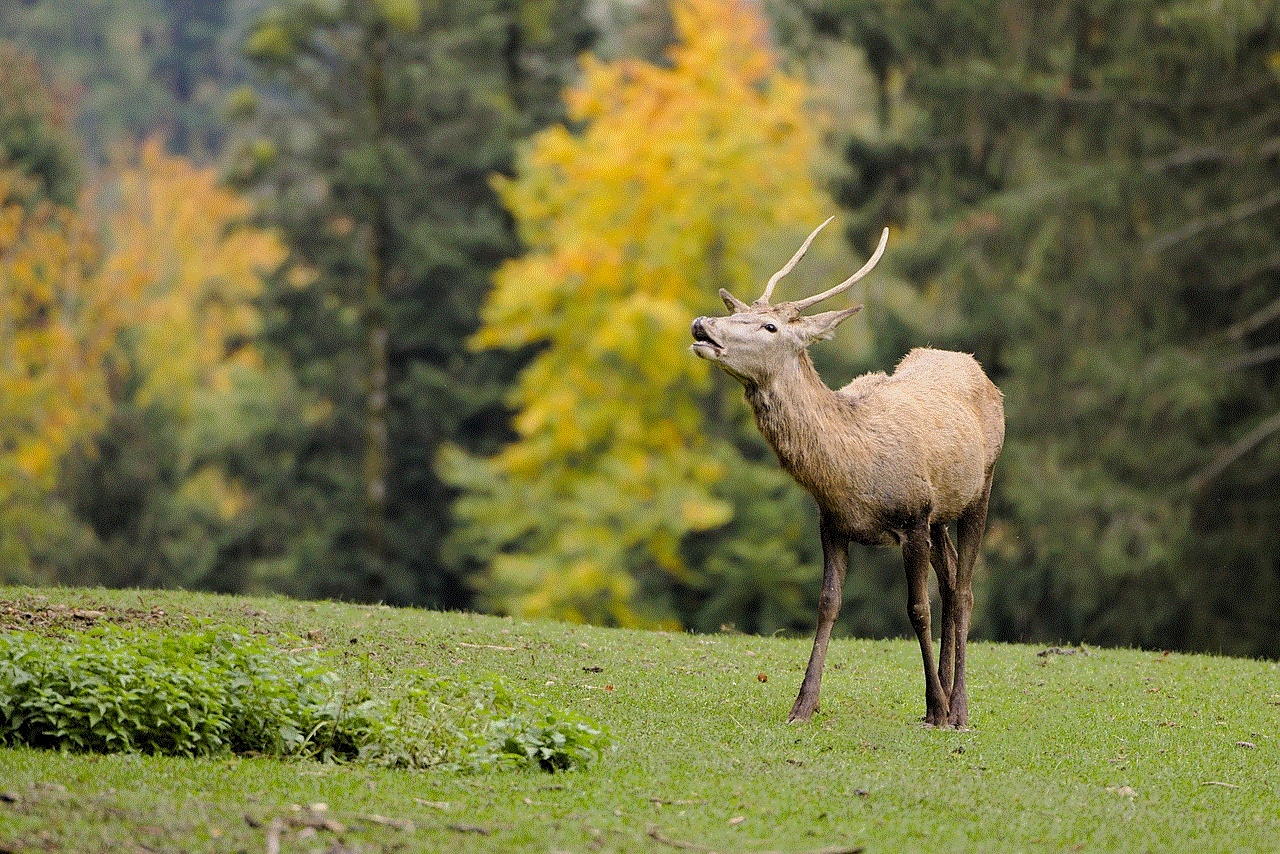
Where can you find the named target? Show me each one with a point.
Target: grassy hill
(1071, 750)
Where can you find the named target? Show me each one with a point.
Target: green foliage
(185, 694)
(34, 138)
(217, 690)
(475, 726)
(664, 189)
(1085, 204)
(373, 135)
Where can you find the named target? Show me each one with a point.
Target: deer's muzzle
(703, 344)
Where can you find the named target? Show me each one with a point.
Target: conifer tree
(375, 139)
(1088, 196)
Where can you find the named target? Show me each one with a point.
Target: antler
(786, 268)
(802, 304)
(738, 305)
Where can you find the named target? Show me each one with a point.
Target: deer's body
(885, 449)
(890, 460)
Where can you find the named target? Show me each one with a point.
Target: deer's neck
(800, 417)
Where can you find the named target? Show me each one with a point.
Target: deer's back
(934, 428)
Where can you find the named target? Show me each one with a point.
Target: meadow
(1070, 749)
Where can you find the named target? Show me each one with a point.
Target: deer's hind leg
(943, 558)
(970, 527)
(915, 559)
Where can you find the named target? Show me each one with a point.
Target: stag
(891, 460)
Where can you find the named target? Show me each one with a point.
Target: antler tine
(777, 277)
(801, 304)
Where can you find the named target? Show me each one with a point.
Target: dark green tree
(140, 67)
(373, 144)
(34, 135)
(1088, 198)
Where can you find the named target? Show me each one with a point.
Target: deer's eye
(769, 327)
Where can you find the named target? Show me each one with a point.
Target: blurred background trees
(388, 300)
(1090, 198)
(372, 142)
(664, 191)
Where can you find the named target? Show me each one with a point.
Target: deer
(890, 459)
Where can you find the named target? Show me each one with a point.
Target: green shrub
(217, 691)
(112, 690)
(436, 722)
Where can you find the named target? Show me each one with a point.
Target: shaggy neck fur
(798, 416)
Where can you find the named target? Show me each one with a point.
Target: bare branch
(1255, 321)
(1247, 443)
(1215, 219)
(843, 286)
(1269, 264)
(1252, 358)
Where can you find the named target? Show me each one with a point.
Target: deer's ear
(733, 303)
(820, 327)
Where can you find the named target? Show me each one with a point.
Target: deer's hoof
(801, 714)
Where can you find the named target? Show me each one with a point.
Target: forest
(389, 300)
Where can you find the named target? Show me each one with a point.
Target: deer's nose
(701, 335)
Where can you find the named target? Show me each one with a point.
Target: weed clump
(216, 691)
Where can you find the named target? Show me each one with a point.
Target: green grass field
(1097, 750)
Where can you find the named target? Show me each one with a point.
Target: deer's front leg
(835, 560)
(915, 558)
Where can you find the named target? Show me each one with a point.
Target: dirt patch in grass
(38, 614)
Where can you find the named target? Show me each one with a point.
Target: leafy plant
(216, 690)
(474, 726)
(190, 694)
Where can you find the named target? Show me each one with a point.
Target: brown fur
(890, 459)
(885, 449)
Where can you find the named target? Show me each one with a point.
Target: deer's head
(757, 341)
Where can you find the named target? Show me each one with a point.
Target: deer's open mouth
(703, 343)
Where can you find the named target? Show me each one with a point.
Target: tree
(57, 326)
(1087, 197)
(141, 68)
(373, 141)
(158, 489)
(34, 138)
(670, 182)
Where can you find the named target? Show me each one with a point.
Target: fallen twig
(397, 823)
(1057, 650)
(656, 835)
(436, 805)
(469, 828)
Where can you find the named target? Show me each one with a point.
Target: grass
(1104, 750)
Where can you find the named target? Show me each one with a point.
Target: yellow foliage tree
(144, 285)
(56, 328)
(179, 239)
(670, 181)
